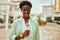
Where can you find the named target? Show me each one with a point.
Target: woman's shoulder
(34, 20)
(17, 20)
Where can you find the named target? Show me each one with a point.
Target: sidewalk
(49, 31)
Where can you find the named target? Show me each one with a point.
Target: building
(53, 11)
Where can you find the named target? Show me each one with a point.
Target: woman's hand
(26, 33)
(19, 36)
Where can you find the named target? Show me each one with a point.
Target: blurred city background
(45, 12)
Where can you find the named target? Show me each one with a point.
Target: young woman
(25, 28)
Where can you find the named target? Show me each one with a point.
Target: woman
(25, 28)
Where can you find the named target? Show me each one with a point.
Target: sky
(37, 5)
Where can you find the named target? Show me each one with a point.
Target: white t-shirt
(26, 27)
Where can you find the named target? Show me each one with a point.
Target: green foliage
(11, 20)
(1, 20)
(49, 19)
(41, 22)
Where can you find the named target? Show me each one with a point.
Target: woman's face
(26, 10)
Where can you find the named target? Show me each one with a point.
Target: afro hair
(23, 3)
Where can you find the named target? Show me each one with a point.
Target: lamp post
(7, 17)
(7, 14)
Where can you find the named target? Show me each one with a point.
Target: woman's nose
(26, 11)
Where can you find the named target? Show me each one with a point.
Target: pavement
(50, 31)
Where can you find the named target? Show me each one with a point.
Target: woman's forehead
(26, 6)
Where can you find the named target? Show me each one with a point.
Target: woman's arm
(13, 31)
(37, 34)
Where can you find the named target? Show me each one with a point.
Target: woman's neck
(26, 19)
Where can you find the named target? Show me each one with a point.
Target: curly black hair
(23, 3)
